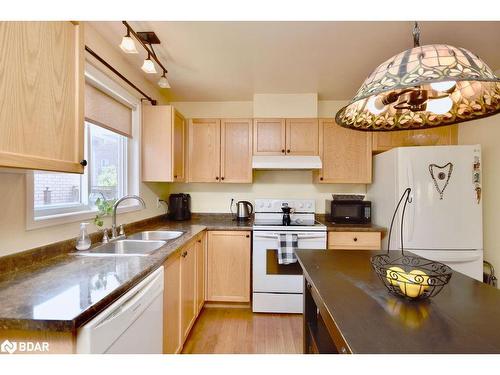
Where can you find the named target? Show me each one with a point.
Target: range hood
(286, 162)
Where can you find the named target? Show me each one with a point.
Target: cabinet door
(179, 147)
(41, 86)
(346, 154)
(236, 150)
(172, 340)
(269, 136)
(200, 247)
(157, 143)
(383, 141)
(302, 136)
(188, 288)
(228, 266)
(204, 150)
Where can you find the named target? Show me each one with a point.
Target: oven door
(268, 275)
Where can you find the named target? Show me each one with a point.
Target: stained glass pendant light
(423, 87)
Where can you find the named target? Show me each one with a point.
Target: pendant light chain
(416, 35)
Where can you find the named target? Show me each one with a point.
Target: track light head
(128, 45)
(148, 66)
(163, 82)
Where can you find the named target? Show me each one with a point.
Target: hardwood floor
(238, 330)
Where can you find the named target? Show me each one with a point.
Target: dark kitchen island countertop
(359, 315)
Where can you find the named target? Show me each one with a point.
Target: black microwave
(348, 211)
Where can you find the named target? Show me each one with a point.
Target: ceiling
(230, 61)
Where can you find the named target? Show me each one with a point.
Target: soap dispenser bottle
(83, 242)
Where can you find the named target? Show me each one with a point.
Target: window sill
(72, 217)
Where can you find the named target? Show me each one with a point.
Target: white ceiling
(226, 61)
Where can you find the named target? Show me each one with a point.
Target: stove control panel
(274, 205)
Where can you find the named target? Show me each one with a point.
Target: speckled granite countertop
(330, 227)
(64, 292)
(51, 288)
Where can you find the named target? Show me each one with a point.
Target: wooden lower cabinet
(188, 289)
(200, 250)
(354, 240)
(172, 342)
(182, 298)
(228, 266)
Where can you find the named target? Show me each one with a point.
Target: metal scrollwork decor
(409, 276)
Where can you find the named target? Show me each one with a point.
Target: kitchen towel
(286, 249)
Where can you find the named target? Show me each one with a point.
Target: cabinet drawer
(354, 240)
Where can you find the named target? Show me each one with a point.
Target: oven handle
(299, 236)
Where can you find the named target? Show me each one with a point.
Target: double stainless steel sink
(138, 244)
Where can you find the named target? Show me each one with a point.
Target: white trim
(133, 173)
(106, 84)
(70, 217)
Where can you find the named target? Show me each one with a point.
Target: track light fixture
(146, 40)
(163, 82)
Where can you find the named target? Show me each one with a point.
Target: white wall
(13, 234)
(486, 132)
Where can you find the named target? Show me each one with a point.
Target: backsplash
(212, 197)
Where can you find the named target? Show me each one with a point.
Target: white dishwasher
(131, 325)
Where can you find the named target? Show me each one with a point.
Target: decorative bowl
(411, 277)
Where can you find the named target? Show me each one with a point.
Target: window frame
(132, 173)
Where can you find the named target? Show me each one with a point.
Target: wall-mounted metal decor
(423, 87)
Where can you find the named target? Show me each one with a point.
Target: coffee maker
(179, 207)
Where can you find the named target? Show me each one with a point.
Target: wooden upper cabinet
(228, 266)
(269, 136)
(42, 91)
(383, 141)
(163, 144)
(346, 154)
(179, 146)
(301, 136)
(236, 150)
(204, 150)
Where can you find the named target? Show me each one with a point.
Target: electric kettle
(244, 210)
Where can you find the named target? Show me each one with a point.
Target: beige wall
(266, 184)
(486, 132)
(208, 197)
(13, 234)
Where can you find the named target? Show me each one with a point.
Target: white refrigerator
(443, 222)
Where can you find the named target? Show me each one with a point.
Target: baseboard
(234, 305)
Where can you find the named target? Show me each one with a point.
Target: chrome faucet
(114, 235)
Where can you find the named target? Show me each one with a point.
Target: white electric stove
(278, 288)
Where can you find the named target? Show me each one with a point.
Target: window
(106, 176)
(111, 146)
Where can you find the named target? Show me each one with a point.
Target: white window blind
(107, 112)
